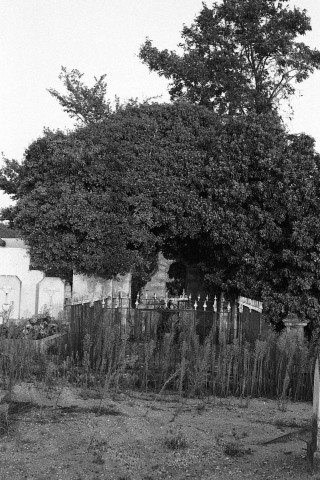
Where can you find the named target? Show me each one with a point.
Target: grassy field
(156, 410)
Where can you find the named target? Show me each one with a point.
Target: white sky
(37, 37)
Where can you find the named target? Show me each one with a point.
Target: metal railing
(154, 317)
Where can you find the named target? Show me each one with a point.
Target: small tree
(87, 105)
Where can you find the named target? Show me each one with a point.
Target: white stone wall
(14, 243)
(30, 291)
(14, 263)
(88, 288)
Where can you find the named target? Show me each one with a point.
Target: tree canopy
(238, 196)
(89, 200)
(238, 56)
(255, 228)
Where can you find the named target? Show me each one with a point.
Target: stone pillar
(313, 446)
(294, 323)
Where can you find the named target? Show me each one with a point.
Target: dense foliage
(237, 196)
(93, 200)
(254, 228)
(238, 56)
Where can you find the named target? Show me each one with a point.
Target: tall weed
(278, 367)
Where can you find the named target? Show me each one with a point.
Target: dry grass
(279, 367)
(235, 449)
(175, 440)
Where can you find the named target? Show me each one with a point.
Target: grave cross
(51, 292)
(6, 306)
(6, 290)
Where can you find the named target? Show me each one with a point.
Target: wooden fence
(228, 352)
(150, 321)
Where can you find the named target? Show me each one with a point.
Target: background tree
(238, 56)
(254, 228)
(87, 105)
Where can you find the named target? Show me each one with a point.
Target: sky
(99, 37)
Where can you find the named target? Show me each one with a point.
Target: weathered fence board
(234, 358)
(156, 317)
(144, 323)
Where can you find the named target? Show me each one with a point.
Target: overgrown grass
(4, 419)
(235, 449)
(175, 439)
(281, 366)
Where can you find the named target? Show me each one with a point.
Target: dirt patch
(78, 435)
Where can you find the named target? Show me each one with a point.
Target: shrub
(175, 440)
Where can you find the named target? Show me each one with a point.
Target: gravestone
(50, 295)
(10, 293)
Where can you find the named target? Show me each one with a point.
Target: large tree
(238, 196)
(238, 56)
(72, 209)
(101, 199)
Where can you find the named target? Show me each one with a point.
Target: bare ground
(71, 434)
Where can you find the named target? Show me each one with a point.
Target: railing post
(235, 319)
(314, 444)
(215, 320)
(222, 320)
(240, 321)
